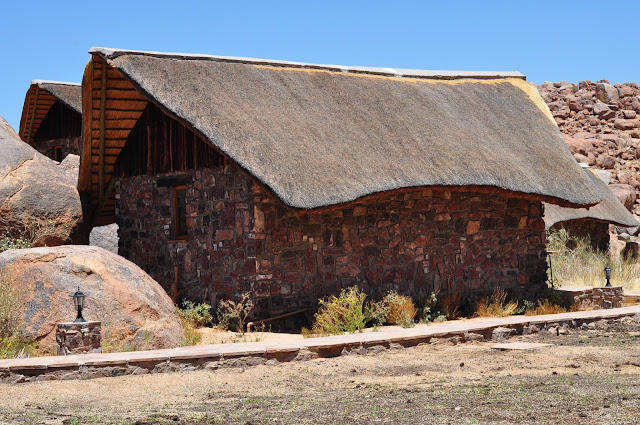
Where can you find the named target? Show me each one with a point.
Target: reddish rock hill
(601, 124)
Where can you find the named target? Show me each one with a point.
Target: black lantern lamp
(607, 274)
(78, 302)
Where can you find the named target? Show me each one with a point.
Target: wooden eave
(111, 105)
(37, 104)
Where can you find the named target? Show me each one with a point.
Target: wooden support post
(103, 104)
(148, 149)
(33, 115)
(171, 143)
(104, 197)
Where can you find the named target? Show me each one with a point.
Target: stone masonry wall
(242, 238)
(597, 231)
(69, 145)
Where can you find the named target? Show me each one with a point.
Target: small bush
(376, 313)
(198, 315)
(34, 235)
(344, 313)
(232, 313)
(495, 305)
(428, 309)
(12, 341)
(401, 309)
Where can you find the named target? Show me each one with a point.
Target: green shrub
(232, 313)
(344, 313)
(428, 309)
(198, 315)
(401, 309)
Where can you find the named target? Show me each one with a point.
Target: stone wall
(69, 145)
(597, 231)
(241, 238)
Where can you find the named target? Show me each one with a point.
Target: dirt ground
(588, 376)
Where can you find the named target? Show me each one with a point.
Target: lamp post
(78, 302)
(607, 275)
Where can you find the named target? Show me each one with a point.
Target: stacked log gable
(51, 118)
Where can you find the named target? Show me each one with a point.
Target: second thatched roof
(324, 135)
(610, 210)
(40, 97)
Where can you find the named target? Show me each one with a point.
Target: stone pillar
(78, 338)
(607, 297)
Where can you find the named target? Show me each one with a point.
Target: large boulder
(606, 92)
(105, 237)
(71, 166)
(625, 193)
(136, 313)
(36, 194)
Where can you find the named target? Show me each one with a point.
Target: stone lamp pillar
(78, 337)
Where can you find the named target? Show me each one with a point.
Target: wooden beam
(103, 200)
(103, 103)
(33, 114)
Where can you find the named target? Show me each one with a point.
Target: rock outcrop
(35, 192)
(105, 237)
(601, 127)
(135, 311)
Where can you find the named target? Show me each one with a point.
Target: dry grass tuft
(402, 310)
(582, 266)
(495, 305)
(545, 307)
(451, 302)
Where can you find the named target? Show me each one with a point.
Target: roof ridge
(65, 83)
(112, 53)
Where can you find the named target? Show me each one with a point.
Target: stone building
(51, 119)
(293, 180)
(592, 223)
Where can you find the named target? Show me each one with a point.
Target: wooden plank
(112, 134)
(112, 73)
(35, 102)
(114, 84)
(121, 104)
(520, 346)
(113, 114)
(114, 124)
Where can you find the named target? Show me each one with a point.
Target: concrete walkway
(115, 364)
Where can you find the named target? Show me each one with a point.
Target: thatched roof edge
(586, 198)
(609, 210)
(110, 53)
(69, 101)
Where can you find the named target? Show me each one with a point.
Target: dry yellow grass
(583, 266)
(495, 305)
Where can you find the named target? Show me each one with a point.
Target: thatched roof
(610, 210)
(40, 97)
(320, 135)
(68, 93)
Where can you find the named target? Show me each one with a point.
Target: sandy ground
(588, 376)
(216, 336)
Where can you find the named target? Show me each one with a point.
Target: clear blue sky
(543, 39)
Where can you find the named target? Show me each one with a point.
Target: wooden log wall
(37, 104)
(61, 122)
(115, 106)
(160, 144)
